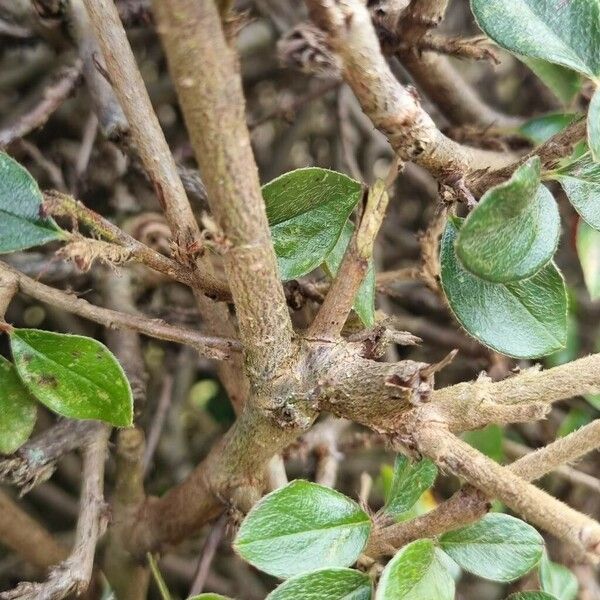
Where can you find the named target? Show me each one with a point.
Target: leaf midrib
(285, 535)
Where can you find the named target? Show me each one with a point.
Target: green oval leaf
(497, 547)
(307, 210)
(302, 527)
(325, 584)
(209, 596)
(564, 83)
(513, 232)
(409, 482)
(417, 572)
(558, 580)
(72, 375)
(531, 596)
(593, 125)
(18, 410)
(539, 129)
(21, 225)
(588, 250)
(524, 319)
(565, 33)
(581, 181)
(364, 303)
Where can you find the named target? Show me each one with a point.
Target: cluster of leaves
(558, 42)
(496, 265)
(308, 211)
(310, 536)
(74, 376)
(547, 34)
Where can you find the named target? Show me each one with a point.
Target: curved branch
(393, 109)
(210, 346)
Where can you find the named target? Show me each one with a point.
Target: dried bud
(306, 49)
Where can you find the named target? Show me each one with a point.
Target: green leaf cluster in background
(308, 211)
(562, 33)
(310, 535)
(72, 375)
(21, 224)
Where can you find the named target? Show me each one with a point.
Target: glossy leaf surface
(307, 210)
(21, 225)
(513, 232)
(525, 319)
(497, 547)
(74, 376)
(18, 409)
(302, 527)
(417, 572)
(325, 584)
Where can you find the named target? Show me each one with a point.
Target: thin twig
(339, 300)
(533, 504)
(26, 537)
(74, 574)
(207, 555)
(469, 504)
(210, 346)
(393, 109)
(53, 96)
(35, 461)
(64, 205)
(568, 473)
(158, 421)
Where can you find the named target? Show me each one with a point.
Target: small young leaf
(72, 375)
(558, 580)
(588, 249)
(364, 303)
(564, 83)
(302, 527)
(417, 572)
(581, 181)
(325, 584)
(21, 225)
(593, 124)
(409, 482)
(565, 33)
(531, 596)
(18, 410)
(539, 129)
(524, 319)
(513, 232)
(497, 547)
(209, 596)
(307, 210)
